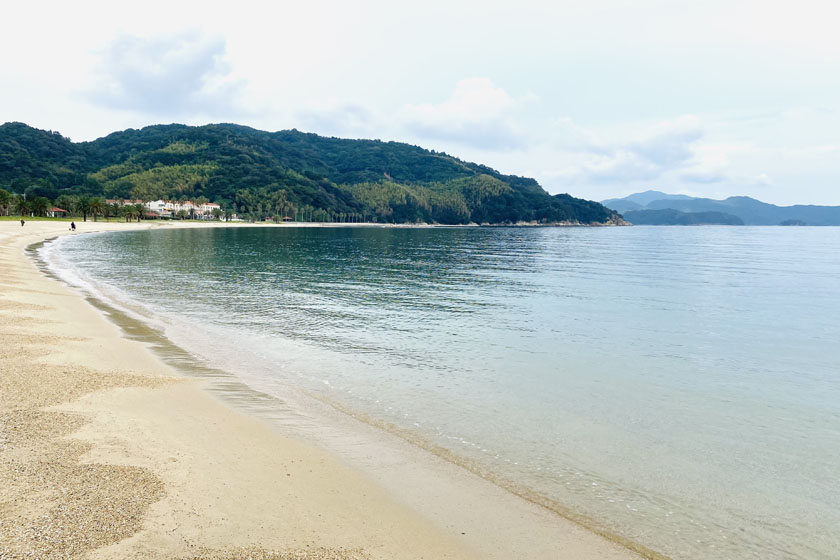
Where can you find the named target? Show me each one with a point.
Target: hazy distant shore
(106, 451)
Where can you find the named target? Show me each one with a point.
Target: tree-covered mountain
(639, 201)
(258, 174)
(669, 217)
(749, 210)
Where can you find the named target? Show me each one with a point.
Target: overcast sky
(597, 98)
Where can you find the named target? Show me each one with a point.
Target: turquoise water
(680, 387)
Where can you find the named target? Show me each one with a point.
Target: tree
(39, 206)
(66, 202)
(6, 200)
(139, 211)
(217, 213)
(21, 205)
(115, 209)
(83, 207)
(279, 174)
(97, 207)
(91, 186)
(41, 187)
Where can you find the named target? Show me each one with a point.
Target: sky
(597, 98)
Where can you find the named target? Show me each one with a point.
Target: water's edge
(232, 391)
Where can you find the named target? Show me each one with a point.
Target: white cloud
(478, 114)
(182, 74)
(669, 144)
(337, 118)
(763, 179)
(566, 134)
(662, 148)
(703, 177)
(377, 69)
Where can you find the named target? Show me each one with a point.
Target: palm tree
(66, 202)
(22, 205)
(288, 209)
(115, 209)
(39, 206)
(97, 207)
(83, 207)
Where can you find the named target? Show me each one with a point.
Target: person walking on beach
(72, 226)
(22, 222)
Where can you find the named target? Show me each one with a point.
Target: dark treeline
(260, 175)
(669, 217)
(71, 206)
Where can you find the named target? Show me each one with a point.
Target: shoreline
(401, 503)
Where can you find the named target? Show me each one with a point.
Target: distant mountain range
(637, 208)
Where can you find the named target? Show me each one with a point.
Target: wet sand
(107, 452)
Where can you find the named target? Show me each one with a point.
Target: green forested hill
(258, 174)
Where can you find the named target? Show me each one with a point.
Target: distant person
(72, 226)
(22, 222)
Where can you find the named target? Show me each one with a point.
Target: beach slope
(107, 452)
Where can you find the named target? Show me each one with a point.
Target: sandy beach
(106, 451)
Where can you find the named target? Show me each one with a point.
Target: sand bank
(107, 452)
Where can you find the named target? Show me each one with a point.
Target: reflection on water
(678, 385)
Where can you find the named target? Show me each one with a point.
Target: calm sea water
(678, 386)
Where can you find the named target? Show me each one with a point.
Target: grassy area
(43, 219)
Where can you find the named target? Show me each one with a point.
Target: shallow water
(679, 387)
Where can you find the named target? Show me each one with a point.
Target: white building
(170, 208)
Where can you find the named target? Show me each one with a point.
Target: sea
(677, 387)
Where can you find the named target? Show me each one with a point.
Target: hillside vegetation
(668, 217)
(259, 174)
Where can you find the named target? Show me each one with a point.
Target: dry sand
(106, 452)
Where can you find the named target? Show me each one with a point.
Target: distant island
(669, 217)
(280, 176)
(647, 208)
